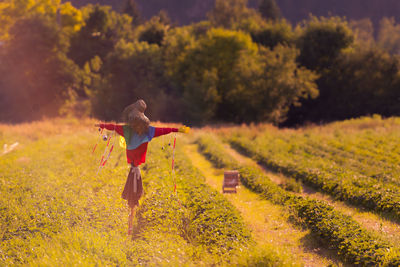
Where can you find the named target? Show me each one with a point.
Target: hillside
(185, 11)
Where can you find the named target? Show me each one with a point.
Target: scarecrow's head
(134, 116)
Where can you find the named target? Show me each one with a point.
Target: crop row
(194, 224)
(214, 223)
(357, 152)
(339, 182)
(355, 244)
(54, 209)
(367, 150)
(357, 155)
(318, 154)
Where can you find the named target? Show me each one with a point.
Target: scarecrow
(137, 133)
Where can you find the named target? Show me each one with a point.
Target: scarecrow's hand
(97, 125)
(184, 129)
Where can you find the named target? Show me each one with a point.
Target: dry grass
(38, 129)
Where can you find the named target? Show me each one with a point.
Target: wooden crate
(231, 181)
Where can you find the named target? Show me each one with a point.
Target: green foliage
(35, 71)
(292, 184)
(70, 18)
(204, 224)
(283, 84)
(206, 71)
(133, 70)
(155, 29)
(361, 83)
(322, 41)
(355, 244)
(55, 209)
(5, 19)
(210, 74)
(225, 76)
(230, 13)
(177, 43)
(11, 11)
(273, 33)
(130, 8)
(103, 29)
(269, 10)
(75, 106)
(328, 165)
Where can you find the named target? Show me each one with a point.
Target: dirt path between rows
(268, 222)
(386, 229)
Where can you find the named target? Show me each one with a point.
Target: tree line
(188, 11)
(240, 65)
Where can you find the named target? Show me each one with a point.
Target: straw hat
(134, 116)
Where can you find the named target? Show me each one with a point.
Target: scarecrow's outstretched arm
(162, 131)
(112, 127)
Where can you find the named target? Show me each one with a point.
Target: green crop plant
(355, 244)
(54, 209)
(354, 161)
(200, 217)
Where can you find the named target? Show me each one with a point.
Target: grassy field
(55, 209)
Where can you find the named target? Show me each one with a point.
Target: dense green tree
(269, 10)
(210, 63)
(35, 73)
(177, 43)
(273, 33)
(154, 30)
(282, 84)
(131, 71)
(130, 8)
(362, 83)
(230, 13)
(103, 29)
(322, 41)
(236, 67)
(224, 76)
(11, 11)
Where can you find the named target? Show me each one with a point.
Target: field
(316, 196)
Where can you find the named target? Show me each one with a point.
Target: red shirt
(137, 156)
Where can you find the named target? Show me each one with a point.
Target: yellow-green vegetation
(355, 244)
(269, 223)
(355, 161)
(196, 224)
(56, 210)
